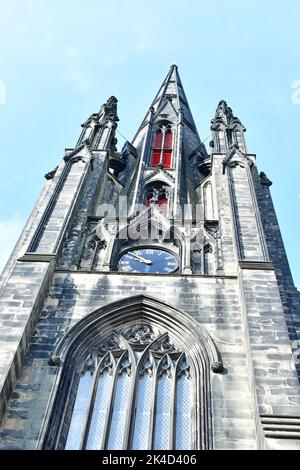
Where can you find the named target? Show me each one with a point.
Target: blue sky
(60, 60)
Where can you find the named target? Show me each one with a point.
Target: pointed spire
(170, 103)
(93, 127)
(108, 110)
(224, 115)
(227, 130)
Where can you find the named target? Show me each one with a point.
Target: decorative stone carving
(93, 244)
(106, 365)
(108, 111)
(54, 361)
(111, 344)
(147, 367)
(236, 158)
(165, 367)
(183, 368)
(140, 334)
(264, 179)
(224, 115)
(217, 367)
(125, 366)
(51, 174)
(163, 346)
(89, 364)
(208, 248)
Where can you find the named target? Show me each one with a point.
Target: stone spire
(171, 103)
(227, 130)
(99, 129)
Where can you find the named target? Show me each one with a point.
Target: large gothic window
(134, 392)
(162, 147)
(133, 374)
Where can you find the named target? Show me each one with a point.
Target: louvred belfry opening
(162, 148)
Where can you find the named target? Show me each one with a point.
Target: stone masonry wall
(214, 302)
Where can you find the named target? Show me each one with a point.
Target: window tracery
(162, 147)
(137, 369)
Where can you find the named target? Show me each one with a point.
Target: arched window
(134, 375)
(162, 147)
(134, 392)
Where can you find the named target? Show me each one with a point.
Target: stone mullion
(94, 255)
(153, 406)
(131, 401)
(162, 147)
(135, 395)
(88, 418)
(107, 426)
(173, 400)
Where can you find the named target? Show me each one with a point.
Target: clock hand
(140, 258)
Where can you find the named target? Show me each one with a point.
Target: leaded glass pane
(162, 415)
(143, 413)
(100, 410)
(120, 407)
(162, 376)
(183, 414)
(80, 411)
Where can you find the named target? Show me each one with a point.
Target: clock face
(148, 260)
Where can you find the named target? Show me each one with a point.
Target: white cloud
(10, 230)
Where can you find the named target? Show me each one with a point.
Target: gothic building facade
(148, 303)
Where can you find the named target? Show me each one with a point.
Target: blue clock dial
(148, 260)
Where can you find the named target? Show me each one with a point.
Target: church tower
(148, 303)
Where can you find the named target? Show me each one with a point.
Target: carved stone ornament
(208, 248)
(264, 179)
(54, 361)
(166, 366)
(125, 366)
(163, 346)
(217, 367)
(140, 334)
(147, 367)
(106, 365)
(89, 364)
(236, 158)
(183, 368)
(111, 344)
(51, 174)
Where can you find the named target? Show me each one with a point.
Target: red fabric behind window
(155, 158)
(163, 205)
(158, 140)
(168, 140)
(167, 158)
